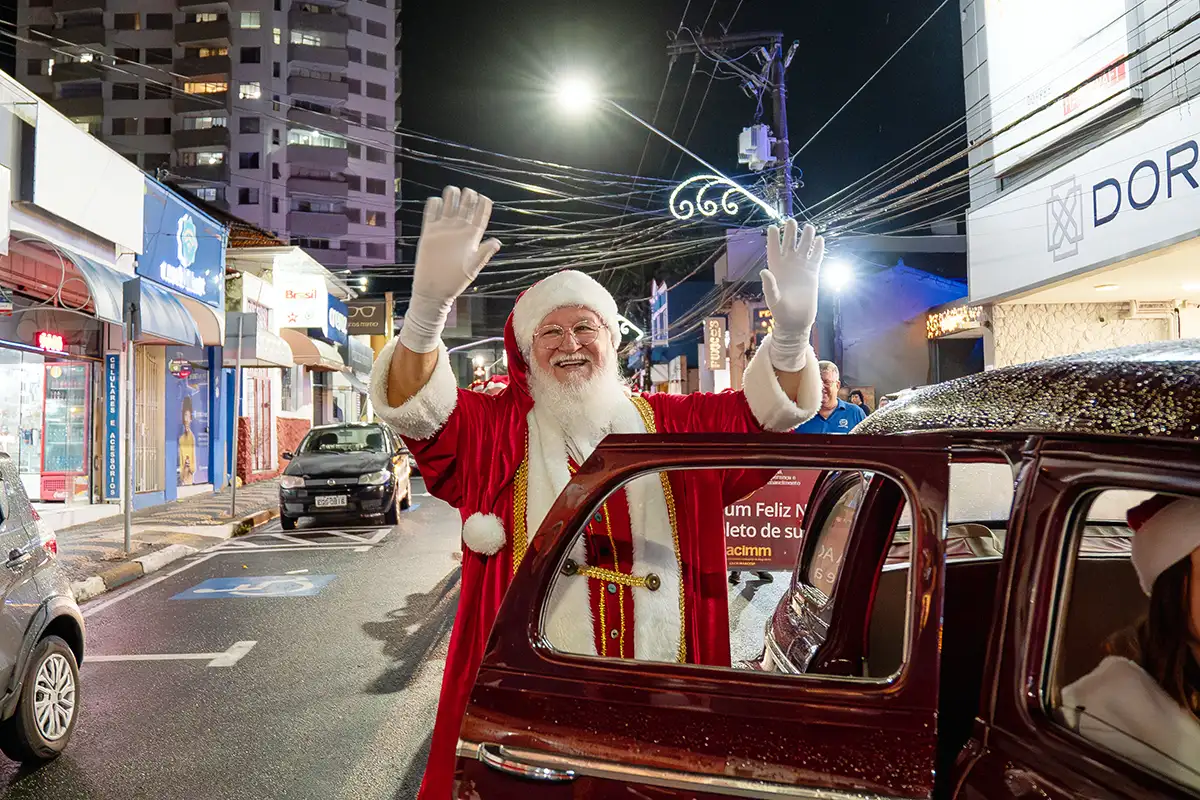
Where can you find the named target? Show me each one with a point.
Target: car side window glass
(648, 578)
(1124, 672)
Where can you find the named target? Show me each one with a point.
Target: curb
(128, 571)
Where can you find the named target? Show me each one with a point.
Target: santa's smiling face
(572, 344)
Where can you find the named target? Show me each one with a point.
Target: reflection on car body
(965, 557)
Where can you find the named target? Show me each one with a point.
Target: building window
(309, 38)
(205, 52)
(203, 87)
(247, 196)
(248, 125)
(127, 22)
(35, 66)
(203, 123)
(248, 160)
(354, 215)
(152, 161)
(376, 155)
(278, 35)
(376, 29)
(318, 206)
(315, 139)
(275, 104)
(274, 205)
(202, 158)
(126, 91)
(376, 250)
(354, 22)
(376, 59)
(157, 126)
(377, 219)
(355, 86)
(250, 90)
(354, 150)
(350, 115)
(355, 55)
(159, 55)
(128, 54)
(354, 182)
(275, 169)
(159, 91)
(159, 22)
(380, 3)
(351, 248)
(251, 55)
(376, 186)
(278, 5)
(275, 70)
(124, 126)
(251, 21)
(275, 136)
(376, 91)
(209, 193)
(203, 16)
(377, 121)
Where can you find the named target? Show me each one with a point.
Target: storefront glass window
(187, 417)
(21, 400)
(148, 420)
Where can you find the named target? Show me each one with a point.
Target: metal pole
(237, 400)
(783, 150)
(130, 436)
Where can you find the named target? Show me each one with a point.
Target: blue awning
(163, 317)
(103, 282)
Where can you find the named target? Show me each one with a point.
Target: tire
(51, 668)
(392, 515)
(287, 523)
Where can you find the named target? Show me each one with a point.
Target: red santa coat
(494, 457)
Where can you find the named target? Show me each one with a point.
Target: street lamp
(837, 275)
(576, 94)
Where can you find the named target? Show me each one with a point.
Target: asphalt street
(297, 665)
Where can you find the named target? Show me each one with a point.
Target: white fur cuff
(426, 412)
(483, 534)
(773, 409)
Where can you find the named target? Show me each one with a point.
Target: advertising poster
(763, 531)
(187, 414)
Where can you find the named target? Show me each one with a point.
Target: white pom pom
(483, 533)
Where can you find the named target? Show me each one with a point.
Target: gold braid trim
(609, 576)
(520, 504)
(647, 414)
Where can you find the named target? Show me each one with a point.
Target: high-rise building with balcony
(280, 111)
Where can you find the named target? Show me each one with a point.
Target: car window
(618, 592)
(1123, 673)
(977, 512)
(357, 439)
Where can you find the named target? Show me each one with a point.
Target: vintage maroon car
(964, 559)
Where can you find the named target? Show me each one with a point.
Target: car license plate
(329, 500)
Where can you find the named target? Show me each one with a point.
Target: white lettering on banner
(181, 278)
(304, 302)
(1130, 195)
(337, 320)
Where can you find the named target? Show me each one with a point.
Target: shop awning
(210, 323)
(103, 282)
(164, 317)
(357, 383)
(313, 353)
(260, 347)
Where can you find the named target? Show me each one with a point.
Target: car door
(1022, 746)
(545, 723)
(20, 551)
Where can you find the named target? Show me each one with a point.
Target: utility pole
(773, 77)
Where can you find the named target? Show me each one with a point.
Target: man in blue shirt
(835, 415)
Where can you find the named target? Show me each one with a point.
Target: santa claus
(646, 580)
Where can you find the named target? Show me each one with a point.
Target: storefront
(180, 331)
(315, 327)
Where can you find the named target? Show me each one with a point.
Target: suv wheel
(287, 523)
(45, 717)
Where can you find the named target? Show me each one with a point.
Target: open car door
(546, 723)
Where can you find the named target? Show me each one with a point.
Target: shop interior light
(1107, 287)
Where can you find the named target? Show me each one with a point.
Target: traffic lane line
(225, 659)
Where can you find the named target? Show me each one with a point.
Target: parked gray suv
(41, 632)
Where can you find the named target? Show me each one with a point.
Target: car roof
(1143, 390)
(341, 425)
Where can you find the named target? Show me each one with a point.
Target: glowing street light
(576, 95)
(837, 275)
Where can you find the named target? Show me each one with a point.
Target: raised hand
(790, 288)
(450, 255)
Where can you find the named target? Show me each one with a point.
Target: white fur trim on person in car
(427, 411)
(560, 290)
(483, 534)
(773, 409)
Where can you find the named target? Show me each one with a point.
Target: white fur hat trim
(566, 288)
(483, 533)
(1165, 539)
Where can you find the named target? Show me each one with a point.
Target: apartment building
(281, 112)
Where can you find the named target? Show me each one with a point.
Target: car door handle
(17, 558)
(496, 757)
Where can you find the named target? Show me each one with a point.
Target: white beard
(583, 410)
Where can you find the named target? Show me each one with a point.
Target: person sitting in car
(1143, 701)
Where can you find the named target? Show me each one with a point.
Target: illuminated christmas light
(686, 208)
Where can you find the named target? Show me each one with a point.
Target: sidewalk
(93, 554)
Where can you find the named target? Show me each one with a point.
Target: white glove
(449, 256)
(790, 289)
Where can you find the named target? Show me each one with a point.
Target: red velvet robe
(469, 447)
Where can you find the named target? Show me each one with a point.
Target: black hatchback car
(350, 470)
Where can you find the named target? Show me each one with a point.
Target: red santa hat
(562, 289)
(1166, 531)
(497, 382)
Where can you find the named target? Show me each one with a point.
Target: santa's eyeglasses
(552, 337)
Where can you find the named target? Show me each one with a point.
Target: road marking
(286, 538)
(227, 659)
(261, 586)
(291, 548)
(296, 572)
(90, 609)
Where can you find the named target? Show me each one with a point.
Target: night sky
(478, 72)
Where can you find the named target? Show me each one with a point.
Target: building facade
(1081, 231)
(280, 112)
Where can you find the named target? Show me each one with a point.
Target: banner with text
(112, 426)
(763, 531)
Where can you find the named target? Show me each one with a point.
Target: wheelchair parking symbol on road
(264, 586)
